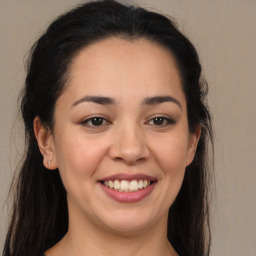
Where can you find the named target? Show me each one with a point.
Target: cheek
(78, 157)
(172, 155)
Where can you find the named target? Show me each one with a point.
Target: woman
(116, 133)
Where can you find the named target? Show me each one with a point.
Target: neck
(87, 240)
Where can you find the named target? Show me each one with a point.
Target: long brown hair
(39, 215)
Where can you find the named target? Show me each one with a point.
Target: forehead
(116, 66)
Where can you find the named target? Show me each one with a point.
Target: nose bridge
(129, 143)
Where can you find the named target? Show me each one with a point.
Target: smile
(127, 186)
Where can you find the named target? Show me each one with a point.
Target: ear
(193, 141)
(45, 142)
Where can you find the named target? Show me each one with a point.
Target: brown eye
(94, 122)
(158, 121)
(97, 121)
(161, 121)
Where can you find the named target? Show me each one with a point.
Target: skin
(129, 140)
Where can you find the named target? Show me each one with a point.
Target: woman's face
(121, 139)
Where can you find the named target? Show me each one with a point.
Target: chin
(130, 222)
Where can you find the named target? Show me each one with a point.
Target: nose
(129, 145)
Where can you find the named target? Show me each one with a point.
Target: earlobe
(193, 141)
(45, 143)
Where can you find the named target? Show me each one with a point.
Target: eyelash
(86, 122)
(103, 121)
(166, 120)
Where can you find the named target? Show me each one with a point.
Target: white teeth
(116, 185)
(134, 185)
(110, 184)
(127, 186)
(141, 184)
(124, 186)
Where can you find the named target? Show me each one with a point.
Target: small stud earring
(49, 162)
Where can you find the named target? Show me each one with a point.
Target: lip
(128, 197)
(129, 177)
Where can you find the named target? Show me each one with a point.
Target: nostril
(129, 149)
(129, 159)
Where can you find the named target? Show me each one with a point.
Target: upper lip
(129, 177)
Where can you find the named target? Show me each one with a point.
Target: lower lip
(128, 197)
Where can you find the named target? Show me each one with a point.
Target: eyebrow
(109, 101)
(95, 99)
(161, 99)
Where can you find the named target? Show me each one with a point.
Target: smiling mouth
(127, 186)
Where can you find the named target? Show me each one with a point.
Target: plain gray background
(224, 34)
